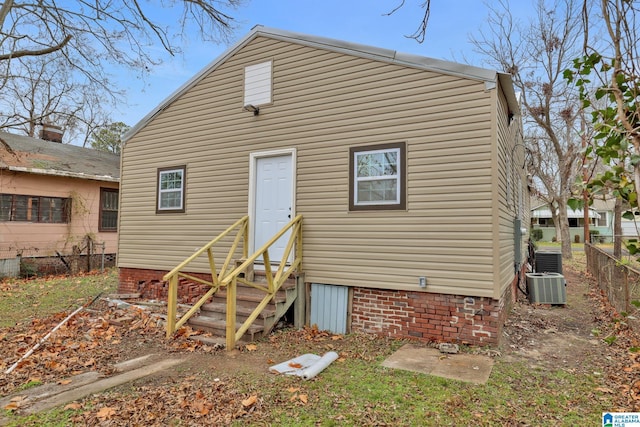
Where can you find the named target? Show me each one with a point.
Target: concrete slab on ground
(471, 368)
(49, 396)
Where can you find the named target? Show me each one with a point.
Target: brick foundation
(150, 285)
(397, 314)
(431, 317)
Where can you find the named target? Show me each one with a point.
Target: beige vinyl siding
(509, 171)
(323, 103)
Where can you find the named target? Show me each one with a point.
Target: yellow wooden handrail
(242, 221)
(172, 298)
(230, 279)
(250, 260)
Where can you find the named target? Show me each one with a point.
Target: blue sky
(360, 21)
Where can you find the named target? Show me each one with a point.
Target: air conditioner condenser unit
(546, 288)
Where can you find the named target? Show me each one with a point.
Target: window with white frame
(377, 177)
(171, 189)
(257, 84)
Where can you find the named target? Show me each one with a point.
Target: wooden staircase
(238, 286)
(211, 317)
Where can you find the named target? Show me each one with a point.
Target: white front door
(273, 202)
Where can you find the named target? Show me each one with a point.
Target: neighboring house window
(108, 209)
(171, 189)
(603, 220)
(377, 176)
(257, 84)
(21, 208)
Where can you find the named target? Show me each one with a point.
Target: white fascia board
(66, 174)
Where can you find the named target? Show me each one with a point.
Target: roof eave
(66, 174)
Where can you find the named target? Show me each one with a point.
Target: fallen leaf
(73, 406)
(64, 382)
(106, 413)
(295, 365)
(250, 401)
(303, 398)
(604, 390)
(11, 406)
(293, 389)
(251, 347)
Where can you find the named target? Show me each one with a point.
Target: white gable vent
(257, 84)
(546, 288)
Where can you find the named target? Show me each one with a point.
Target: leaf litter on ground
(103, 335)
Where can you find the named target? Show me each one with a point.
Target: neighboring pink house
(54, 199)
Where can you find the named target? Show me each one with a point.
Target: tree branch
(38, 52)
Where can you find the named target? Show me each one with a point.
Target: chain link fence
(29, 261)
(618, 281)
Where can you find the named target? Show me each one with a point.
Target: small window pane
(378, 191)
(45, 209)
(57, 208)
(33, 213)
(170, 200)
(377, 164)
(5, 207)
(171, 180)
(21, 209)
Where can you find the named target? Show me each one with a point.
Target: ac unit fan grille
(548, 262)
(546, 288)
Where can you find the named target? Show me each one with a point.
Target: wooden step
(218, 327)
(242, 313)
(250, 294)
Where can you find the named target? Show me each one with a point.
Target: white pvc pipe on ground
(320, 365)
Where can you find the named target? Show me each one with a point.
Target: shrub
(28, 269)
(536, 234)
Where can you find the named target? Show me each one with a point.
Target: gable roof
(489, 77)
(31, 155)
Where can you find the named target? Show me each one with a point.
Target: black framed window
(108, 209)
(42, 209)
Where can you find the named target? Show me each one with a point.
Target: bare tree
(81, 38)
(44, 89)
(420, 32)
(536, 53)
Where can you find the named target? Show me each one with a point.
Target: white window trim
(173, 190)
(357, 179)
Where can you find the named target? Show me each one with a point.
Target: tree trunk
(617, 229)
(565, 234)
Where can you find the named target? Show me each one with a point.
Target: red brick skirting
(398, 314)
(431, 317)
